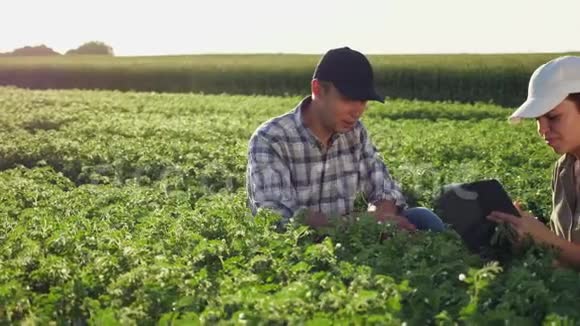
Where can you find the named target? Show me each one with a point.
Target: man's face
(338, 113)
(559, 128)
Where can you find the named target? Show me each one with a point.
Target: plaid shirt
(288, 169)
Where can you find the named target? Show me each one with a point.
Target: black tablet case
(465, 207)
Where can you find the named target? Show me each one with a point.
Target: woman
(554, 101)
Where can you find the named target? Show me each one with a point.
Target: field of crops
(501, 79)
(129, 208)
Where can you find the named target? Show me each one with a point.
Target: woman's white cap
(549, 85)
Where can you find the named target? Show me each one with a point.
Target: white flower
(338, 245)
(462, 277)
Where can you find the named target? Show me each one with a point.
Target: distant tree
(92, 48)
(39, 50)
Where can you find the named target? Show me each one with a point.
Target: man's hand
(316, 220)
(401, 221)
(386, 211)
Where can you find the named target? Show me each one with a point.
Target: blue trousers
(424, 219)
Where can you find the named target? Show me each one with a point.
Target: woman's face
(560, 128)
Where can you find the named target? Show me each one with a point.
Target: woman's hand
(527, 224)
(569, 253)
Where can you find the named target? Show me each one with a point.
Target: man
(319, 155)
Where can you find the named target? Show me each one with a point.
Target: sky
(158, 27)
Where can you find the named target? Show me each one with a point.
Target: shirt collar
(567, 163)
(303, 130)
(567, 167)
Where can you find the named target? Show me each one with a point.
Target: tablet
(465, 208)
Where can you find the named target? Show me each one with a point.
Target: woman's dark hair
(575, 97)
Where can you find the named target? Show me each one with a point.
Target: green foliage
(497, 78)
(130, 209)
(92, 48)
(39, 50)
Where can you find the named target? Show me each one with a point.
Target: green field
(129, 208)
(501, 78)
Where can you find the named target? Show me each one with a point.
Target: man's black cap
(350, 72)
